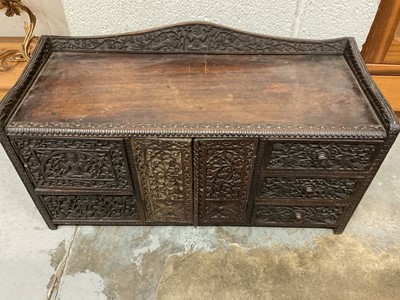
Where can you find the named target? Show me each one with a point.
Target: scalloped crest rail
(196, 124)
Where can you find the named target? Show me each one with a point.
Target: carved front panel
(91, 207)
(297, 215)
(165, 175)
(316, 188)
(223, 170)
(329, 156)
(69, 163)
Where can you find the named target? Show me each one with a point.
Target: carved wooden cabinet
(196, 124)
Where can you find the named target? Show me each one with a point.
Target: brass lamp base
(8, 56)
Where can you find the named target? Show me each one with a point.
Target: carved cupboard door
(164, 168)
(222, 177)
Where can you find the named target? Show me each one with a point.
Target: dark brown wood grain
(196, 124)
(178, 88)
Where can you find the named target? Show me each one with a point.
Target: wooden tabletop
(196, 89)
(9, 77)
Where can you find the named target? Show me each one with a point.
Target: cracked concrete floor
(121, 263)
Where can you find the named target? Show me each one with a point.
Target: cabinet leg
(52, 226)
(338, 230)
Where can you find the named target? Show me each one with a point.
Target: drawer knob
(322, 156)
(298, 215)
(309, 190)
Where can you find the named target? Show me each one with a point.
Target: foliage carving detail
(165, 174)
(223, 171)
(317, 188)
(74, 163)
(328, 156)
(91, 207)
(198, 38)
(297, 215)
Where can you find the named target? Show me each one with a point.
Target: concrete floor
(87, 263)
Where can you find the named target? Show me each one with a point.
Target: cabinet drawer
(337, 156)
(74, 163)
(318, 216)
(307, 188)
(91, 209)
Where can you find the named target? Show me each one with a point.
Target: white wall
(50, 19)
(293, 18)
(296, 18)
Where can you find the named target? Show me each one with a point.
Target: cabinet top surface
(115, 88)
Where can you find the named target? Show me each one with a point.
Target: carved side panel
(91, 207)
(313, 188)
(165, 175)
(297, 215)
(223, 170)
(328, 156)
(70, 163)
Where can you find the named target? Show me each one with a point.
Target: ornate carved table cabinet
(196, 124)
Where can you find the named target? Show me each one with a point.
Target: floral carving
(317, 188)
(219, 211)
(74, 163)
(165, 175)
(198, 38)
(223, 171)
(68, 207)
(297, 215)
(328, 156)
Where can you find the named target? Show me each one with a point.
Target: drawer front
(91, 209)
(307, 188)
(321, 216)
(337, 156)
(74, 164)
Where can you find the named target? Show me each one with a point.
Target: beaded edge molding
(188, 130)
